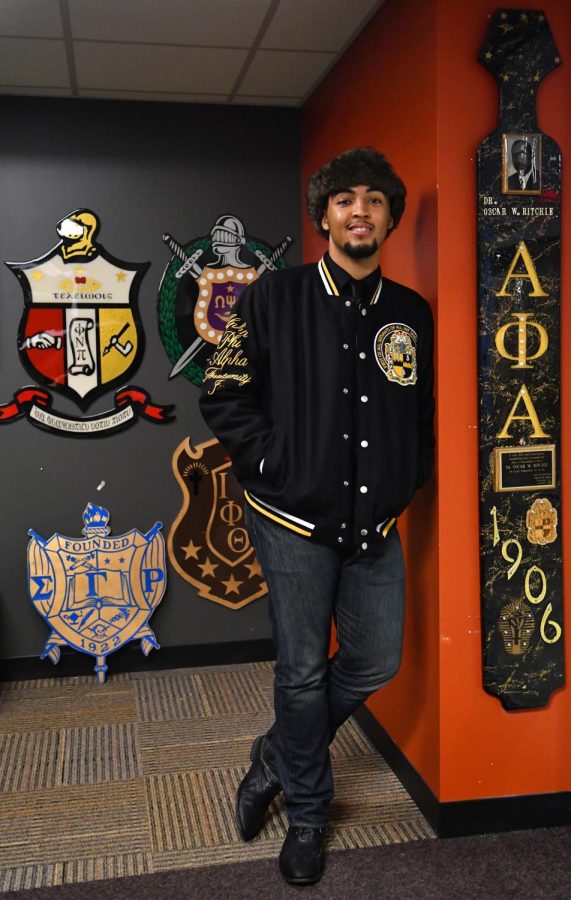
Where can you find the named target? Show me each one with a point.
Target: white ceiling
(266, 52)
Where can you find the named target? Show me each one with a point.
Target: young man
(321, 392)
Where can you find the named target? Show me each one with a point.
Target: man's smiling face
(357, 221)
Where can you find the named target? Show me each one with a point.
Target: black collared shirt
(334, 393)
(363, 287)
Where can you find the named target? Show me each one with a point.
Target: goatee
(360, 251)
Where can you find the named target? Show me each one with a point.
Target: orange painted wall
(411, 85)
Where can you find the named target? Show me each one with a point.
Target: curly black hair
(361, 165)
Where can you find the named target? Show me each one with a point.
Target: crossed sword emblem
(190, 264)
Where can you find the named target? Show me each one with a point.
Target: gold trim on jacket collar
(332, 288)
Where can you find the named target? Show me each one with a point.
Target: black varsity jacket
(323, 399)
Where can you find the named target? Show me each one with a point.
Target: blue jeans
(311, 585)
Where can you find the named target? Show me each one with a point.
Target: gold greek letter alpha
(531, 415)
(522, 324)
(531, 275)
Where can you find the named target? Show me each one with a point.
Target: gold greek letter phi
(522, 360)
(231, 513)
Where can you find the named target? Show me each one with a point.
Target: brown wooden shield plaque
(208, 544)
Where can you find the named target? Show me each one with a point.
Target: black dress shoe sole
(302, 880)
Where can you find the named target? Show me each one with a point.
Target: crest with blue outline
(98, 592)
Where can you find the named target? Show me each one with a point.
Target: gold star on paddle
(37, 275)
(191, 550)
(232, 586)
(254, 568)
(208, 568)
(120, 276)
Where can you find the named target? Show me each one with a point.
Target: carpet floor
(138, 777)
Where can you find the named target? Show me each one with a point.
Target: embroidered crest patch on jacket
(395, 352)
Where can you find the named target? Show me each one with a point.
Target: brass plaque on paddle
(524, 468)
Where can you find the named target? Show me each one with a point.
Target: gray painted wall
(144, 169)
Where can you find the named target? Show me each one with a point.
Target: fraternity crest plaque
(98, 592)
(208, 544)
(200, 287)
(80, 331)
(519, 275)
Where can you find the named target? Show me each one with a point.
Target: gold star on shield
(37, 275)
(488, 55)
(191, 549)
(232, 586)
(208, 568)
(121, 276)
(254, 568)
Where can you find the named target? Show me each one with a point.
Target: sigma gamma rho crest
(98, 592)
(519, 209)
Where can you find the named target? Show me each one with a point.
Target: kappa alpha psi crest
(98, 592)
(200, 287)
(208, 544)
(80, 331)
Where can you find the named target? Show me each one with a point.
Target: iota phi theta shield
(97, 593)
(208, 544)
